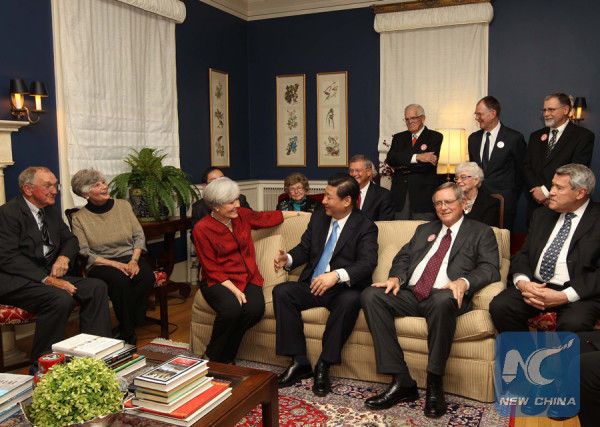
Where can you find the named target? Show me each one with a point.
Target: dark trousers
(233, 319)
(440, 311)
(129, 296)
(53, 306)
(590, 378)
(510, 313)
(291, 298)
(407, 213)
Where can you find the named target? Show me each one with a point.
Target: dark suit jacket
(355, 250)
(378, 205)
(21, 246)
(486, 209)
(503, 174)
(583, 258)
(575, 145)
(200, 209)
(474, 254)
(419, 179)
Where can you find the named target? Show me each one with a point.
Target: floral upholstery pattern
(160, 278)
(10, 315)
(547, 322)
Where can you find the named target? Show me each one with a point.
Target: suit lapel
(460, 238)
(369, 198)
(347, 231)
(562, 141)
(545, 235)
(587, 221)
(32, 227)
(477, 146)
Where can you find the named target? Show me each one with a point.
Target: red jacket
(224, 255)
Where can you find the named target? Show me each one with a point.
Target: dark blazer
(503, 174)
(575, 145)
(419, 179)
(311, 205)
(355, 250)
(200, 209)
(378, 205)
(583, 258)
(21, 246)
(474, 254)
(486, 209)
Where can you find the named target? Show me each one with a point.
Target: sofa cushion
(266, 249)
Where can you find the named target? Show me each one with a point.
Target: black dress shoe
(394, 394)
(322, 384)
(294, 373)
(435, 402)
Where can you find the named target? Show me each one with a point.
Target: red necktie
(414, 140)
(423, 286)
(358, 201)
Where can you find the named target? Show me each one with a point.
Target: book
(128, 366)
(15, 400)
(86, 345)
(176, 389)
(178, 401)
(9, 412)
(172, 373)
(13, 384)
(118, 356)
(160, 397)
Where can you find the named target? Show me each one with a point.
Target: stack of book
(177, 392)
(14, 389)
(125, 360)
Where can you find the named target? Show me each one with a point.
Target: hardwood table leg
(270, 409)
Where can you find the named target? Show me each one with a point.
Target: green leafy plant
(75, 392)
(157, 183)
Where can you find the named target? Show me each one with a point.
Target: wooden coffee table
(250, 387)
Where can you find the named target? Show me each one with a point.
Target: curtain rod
(420, 4)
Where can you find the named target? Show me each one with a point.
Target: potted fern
(154, 189)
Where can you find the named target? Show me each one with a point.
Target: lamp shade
(18, 86)
(453, 151)
(578, 107)
(38, 88)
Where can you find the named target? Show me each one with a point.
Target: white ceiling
(251, 10)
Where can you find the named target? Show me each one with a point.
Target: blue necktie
(324, 260)
(485, 156)
(548, 264)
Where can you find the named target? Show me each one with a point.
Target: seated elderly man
(36, 248)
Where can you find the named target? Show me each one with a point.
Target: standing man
(36, 248)
(373, 200)
(434, 276)
(499, 151)
(339, 248)
(559, 143)
(557, 269)
(414, 155)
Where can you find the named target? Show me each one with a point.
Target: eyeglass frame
(47, 187)
(442, 203)
(462, 178)
(412, 119)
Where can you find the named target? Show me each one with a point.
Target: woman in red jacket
(231, 282)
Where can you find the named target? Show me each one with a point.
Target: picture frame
(219, 117)
(291, 120)
(332, 119)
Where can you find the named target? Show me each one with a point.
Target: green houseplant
(157, 185)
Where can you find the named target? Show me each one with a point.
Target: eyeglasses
(296, 189)
(443, 203)
(412, 119)
(358, 171)
(551, 110)
(47, 187)
(461, 178)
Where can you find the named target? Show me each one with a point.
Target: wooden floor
(180, 313)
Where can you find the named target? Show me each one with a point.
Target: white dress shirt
(493, 138)
(560, 129)
(413, 159)
(363, 194)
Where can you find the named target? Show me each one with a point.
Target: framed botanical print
(332, 119)
(219, 118)
(291, 120)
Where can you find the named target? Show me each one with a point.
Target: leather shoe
(435, 402)
(322, 384)
(394, 394)
(295, 372)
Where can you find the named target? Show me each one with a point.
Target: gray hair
(420, 110)
(26, 177)
(471, 168)
(458, 193)
(368, 163)
(83, 180)
(580, 176)
(220, 191)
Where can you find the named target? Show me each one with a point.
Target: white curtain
(437, 58)
(116, 83)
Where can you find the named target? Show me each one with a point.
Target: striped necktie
(423, 286)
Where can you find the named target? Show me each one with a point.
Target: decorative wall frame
(332, 119)
(219, 117)
(291, 120)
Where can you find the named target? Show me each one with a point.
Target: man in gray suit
(36, 248)
(434, 276)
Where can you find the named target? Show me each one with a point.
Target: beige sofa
(470, 368)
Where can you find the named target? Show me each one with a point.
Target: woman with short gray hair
(477, 204)
(231, 283)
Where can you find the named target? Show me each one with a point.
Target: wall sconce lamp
(578, 106)
(18, 108)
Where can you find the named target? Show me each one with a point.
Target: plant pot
(103, 421)
(141, 209)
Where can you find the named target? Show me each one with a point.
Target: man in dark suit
(414, 155)
(339, 248)
(36, 248)
(373, 200)
(434, 276)
(558, 268)
(559, 143)
(499, 151)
